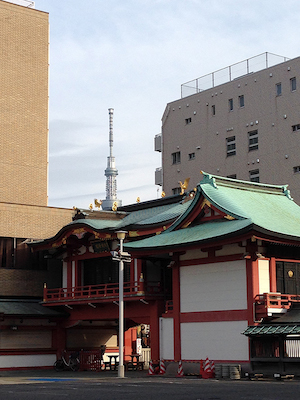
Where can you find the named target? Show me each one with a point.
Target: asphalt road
(146, 388)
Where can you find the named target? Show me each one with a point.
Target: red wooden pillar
(78, 280)
(252, 287)
(154, 331)
(59, 340)
(176, 308)
(69, 274)
(272, 269)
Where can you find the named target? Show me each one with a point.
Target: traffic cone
(207, 370)
(151, 370)
(162, 369)
(201, 369)
(180, 370)
(212, 367)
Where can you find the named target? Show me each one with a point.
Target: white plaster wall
(192, 254)
(65, 277)
(263, 276)
(166, 338)
(215, 340)
(19, 361)
(230, 249)
(212, 287)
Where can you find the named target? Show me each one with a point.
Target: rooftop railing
(234, 71)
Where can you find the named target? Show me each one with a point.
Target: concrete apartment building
(241, 121)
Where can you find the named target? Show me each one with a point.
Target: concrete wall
(166, 339)
(273, 116)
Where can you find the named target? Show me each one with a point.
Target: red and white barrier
(180, 373)
(151, 369)
(162, 369)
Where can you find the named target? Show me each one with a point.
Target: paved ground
(89, 385)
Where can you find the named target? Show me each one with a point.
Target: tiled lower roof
(272, 330)
(29, 308)
(200, 233)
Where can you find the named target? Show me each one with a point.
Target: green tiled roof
(271, 330)
(199, 233)
(97, 224)
(152, 215)
(33, 308)
(266, 208)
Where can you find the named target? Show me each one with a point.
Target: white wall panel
(65, 274)
(212, 287)
(19, 361)
(215, 340)
(166, 338)
(264, 276)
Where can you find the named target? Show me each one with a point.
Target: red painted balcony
(273, 304)
(169, 307)
(102, 293)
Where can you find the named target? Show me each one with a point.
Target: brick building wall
(24, 42)
(34, 222)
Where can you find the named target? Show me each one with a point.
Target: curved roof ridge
(216, 181)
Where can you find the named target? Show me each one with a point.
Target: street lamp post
(121, 257)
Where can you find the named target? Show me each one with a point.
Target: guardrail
(101, 291)
(277, 301)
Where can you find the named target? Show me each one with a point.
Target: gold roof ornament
(184, 185)
(163, 194)
(115, 206)
(91, 206)
(138, 199)
(98, 203)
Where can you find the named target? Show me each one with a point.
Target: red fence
(266, 301)
(102, 291)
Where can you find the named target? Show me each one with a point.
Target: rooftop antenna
(111, 172)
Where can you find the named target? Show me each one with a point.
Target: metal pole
(121, 315)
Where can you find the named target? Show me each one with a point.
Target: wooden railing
(102, 291)
(276, 301)
(169, 306)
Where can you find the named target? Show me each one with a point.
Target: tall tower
(111, 171)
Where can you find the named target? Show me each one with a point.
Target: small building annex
(205, 266)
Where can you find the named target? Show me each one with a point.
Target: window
(230, 146)
(254, 175)
(176, 157)
(241, 101)
(278, 89)
(191, 156)
(233, 176)
(213, 110)
(293, 84)
(230, 104)
(288, 277)
(188, 121)
(253, 140)
(296, 169)
(296, 127)
(176, 190)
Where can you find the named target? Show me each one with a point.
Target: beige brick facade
(24, 48)
(33, 222)
(24, 42)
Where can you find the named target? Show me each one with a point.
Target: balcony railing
(268, 304)
(169, 307)
(107, 291)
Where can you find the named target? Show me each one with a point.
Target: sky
(133, 56)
